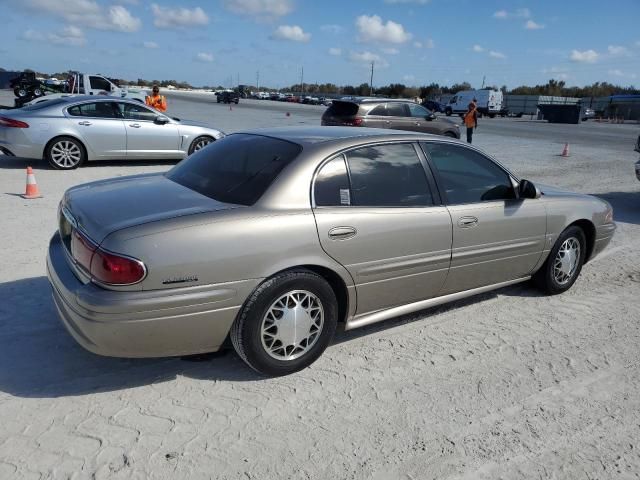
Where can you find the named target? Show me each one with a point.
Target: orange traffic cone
(565, 150)
(32, 187)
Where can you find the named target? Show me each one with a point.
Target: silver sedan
(273, 237)
(71, 130)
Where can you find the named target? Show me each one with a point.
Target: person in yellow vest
(157, 101)
(471, 120)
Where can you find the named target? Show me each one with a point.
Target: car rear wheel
(448, 112)
(564, 263)
(286, 324)
(199, 143)
(65, 153)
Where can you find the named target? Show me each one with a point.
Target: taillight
(82, 249)
(356, 122)
(116, 269)
(10, 122)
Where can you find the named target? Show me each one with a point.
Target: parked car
(228, 96)
(325, 101)
(385, 113)
(311, 100)
(587, 113)
(637, 149)
(434, 106)
(68, 131)
(272, 237)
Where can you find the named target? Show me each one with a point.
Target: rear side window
(396, 109)
(236, 169)
(342, 109)
(332, 184)
(380, 110)
(94, 110)
(388, 176)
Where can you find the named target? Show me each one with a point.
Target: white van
(489, 102)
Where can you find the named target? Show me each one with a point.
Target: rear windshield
(342, 109)
(236, 169)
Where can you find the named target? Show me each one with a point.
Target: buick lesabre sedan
(272, 237)
(71, 130)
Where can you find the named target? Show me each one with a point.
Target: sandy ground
(507, 385)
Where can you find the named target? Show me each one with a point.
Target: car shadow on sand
(8, 162)
(41, 360)
(626, 205)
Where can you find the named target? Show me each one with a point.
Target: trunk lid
(103, 207)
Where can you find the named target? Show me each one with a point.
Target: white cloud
(391, 51)
(372, 29)
(87, 13)
(334, 29)
(501, 14)
(618, 51)
(417, 44)
(336, 52)
(418, 2)
(259, 8)
(69, 36)
(495, 54)
(519, 13)
(429, 43)
(477, 48)
(587, 56)
(149, 44)
(531, 25)
(365, 58)
(292, 33)
(204, 57)
(178, 17)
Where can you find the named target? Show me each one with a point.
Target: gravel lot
(510, 384)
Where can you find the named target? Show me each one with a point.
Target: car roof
(362, 100)
(313, 135)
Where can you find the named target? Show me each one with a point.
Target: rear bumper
(157, 323)
(23, 150)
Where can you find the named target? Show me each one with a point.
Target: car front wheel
(199, 143)
(286, 324)
(564, 263)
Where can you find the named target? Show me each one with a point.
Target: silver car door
(99, 127)
(145, 137)
(496, 236)
(381, 222)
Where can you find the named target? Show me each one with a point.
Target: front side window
(237, 169)
(396, 109)
(388, 176)
(94, 110)
(99, 83)
(331, 188)
(468, 176)
(418, 111)
(131, 111)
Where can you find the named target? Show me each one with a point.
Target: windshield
(236, 169)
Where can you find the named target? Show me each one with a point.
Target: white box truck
(489, 102)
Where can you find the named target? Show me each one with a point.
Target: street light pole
(371, 81)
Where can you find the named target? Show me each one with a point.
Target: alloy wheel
(66, 154)
(566, 262)
(200, 144)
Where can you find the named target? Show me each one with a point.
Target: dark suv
(388, 113)
(228, 97)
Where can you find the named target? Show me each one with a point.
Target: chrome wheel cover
(66, 154)
(200, 144)
(566, 262)
(292, 325)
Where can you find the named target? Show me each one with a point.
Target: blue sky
(414, 42)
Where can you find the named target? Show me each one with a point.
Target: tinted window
(237, 169)
(95, 110)
(342, 109)
(396, 110)
(418, 111)
(332, 184)
(99, 83)
(380, 110)
(132, 111)
(388, 176)
(468, 176)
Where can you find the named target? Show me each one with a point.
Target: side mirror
(160, 120)
(527, 189)
(431, 116)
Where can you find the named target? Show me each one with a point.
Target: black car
(433, 106)
(228, 97)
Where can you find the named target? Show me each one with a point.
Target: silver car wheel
(566, 262)
(200, 144)
(66, 154)
(292, 325)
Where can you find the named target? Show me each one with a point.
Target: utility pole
(483, 79)
(258, 80)
(371, 81)
(238, 80)
(302, 79)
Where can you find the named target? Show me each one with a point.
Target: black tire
(20, 92)
(197, 143)
(448, 112)
(246, 334)
(37, 92)
(53, 155)
(545, 278)
(218, 99)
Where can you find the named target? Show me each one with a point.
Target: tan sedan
(273, 237)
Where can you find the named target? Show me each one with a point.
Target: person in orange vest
(157, 101)
(471, 120)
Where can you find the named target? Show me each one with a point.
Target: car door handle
(467, 222)
(84, 122)
(342, 233)
(135, 125)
